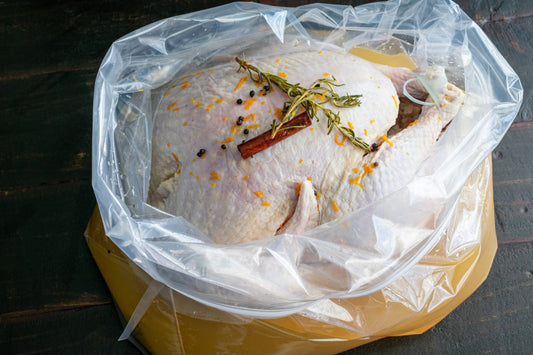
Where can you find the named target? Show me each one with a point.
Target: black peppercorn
(266, 87)
(317, 85)
(239, 101)
(374, 147)
(223, 146)
(240, 120)
(201, 152)
(246, 131)
(252, 93)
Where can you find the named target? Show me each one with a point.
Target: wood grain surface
(52, 297)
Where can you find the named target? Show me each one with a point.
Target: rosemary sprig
(299, 95)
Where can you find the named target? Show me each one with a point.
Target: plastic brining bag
(353, 256)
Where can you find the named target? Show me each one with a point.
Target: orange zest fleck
(227, 140)
(321, 97)
(298, 188)
(301, 161)
(233, 130)
(184, 123)
(356, 181)
(176, 109)
(219, 101)
(278, 60)
(208, 108)
(171, 105)
(337, 139)
(278, 113)
(168, 145)
(213, 185)
(366, 133)
(248, 103)
(198, 103)
(334, 204)
(168, 93)
(175, 157)
(310, 178)
(368, 169)
(395, 102)
(214, 177)
(253, 125)
(386, 139)
(326, 74)
(185, 85)
(223, 118)
(250, 116)
(258, 193)
(412, 123)
(350, 124)
(263, 102)
(239, 84)
(266, 204)
(355, 170)
(246, 177)
(190, 173)
(282, 74)
(319, 52)
(372, 121)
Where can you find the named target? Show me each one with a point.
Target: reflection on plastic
(174, 324)
(246, 279)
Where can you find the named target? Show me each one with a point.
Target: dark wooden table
(52, 297)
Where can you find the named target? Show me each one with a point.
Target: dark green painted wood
(45, 260)
(88, 330)
(49, 36)
(510, 35)
(46, 137)
(513, 184)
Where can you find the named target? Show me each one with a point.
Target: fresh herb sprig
(298, 95)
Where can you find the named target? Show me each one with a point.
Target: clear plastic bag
(291, 273)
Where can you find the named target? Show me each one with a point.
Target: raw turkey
(306, 180)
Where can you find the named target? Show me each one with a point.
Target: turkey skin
(308, 179)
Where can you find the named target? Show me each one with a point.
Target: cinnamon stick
(263, 141)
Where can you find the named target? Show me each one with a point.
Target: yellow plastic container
(389, 312)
